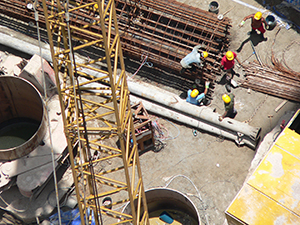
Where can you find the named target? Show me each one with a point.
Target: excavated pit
(22, 118)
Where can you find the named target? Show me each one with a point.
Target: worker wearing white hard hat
(194, 57)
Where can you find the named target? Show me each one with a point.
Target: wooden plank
(280, 105)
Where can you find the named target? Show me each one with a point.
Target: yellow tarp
(272, 193)
(254, 208)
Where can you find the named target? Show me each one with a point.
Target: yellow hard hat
(204, 54)
(96, 6)
(226, 98)
(229, 55)
(194, 93)
(258, 16)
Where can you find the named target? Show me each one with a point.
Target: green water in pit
(17, 132)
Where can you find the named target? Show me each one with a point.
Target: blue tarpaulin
(71, 217)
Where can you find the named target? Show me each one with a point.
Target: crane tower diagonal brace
(95, 118)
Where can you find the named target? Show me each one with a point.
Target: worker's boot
(228, 87)
(263, 37)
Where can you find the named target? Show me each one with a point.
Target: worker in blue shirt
(194, 97)
(194, 57)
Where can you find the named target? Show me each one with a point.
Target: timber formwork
(160, 31)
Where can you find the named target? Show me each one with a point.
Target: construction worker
(193, 57)
(229, 106)
(195, 98)
(227, 64)
(257, 22)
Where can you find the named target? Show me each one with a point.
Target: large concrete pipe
(200, 117)
(167, 203)
(202, 113)
(22, 118)
(240, 139)
(193, 122)
(25, 44)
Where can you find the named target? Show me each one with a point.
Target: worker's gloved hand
(207, 84)
(220, 118)
(242, 23)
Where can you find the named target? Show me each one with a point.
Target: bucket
(271, 22)
(214, 7)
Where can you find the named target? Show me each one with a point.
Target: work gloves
(207, 84)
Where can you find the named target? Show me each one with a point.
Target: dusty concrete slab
(217, 167)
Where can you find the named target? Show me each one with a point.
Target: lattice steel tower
(97, 116)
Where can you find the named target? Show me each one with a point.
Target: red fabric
(226, 63)
(261, 29)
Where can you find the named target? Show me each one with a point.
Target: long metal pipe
(204, 114)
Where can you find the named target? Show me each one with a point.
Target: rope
(144, 61)
(10, 207)
(198, 193)
(36, 16)
(180, 175)
(159, 128)
(75, 81)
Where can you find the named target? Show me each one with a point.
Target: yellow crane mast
(97, 116)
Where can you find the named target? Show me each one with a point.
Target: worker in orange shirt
(257, 21)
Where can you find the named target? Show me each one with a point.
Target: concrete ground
(209, 168)
(218, 167)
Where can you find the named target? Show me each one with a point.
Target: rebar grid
(164, 31)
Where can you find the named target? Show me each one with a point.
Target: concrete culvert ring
(171, 202)
(22, 120)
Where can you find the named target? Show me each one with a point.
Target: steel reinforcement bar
(272, 81)
(163, 31)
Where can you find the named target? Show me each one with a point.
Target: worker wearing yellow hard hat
(257, 21)
(193, 58)
(195, 98)
(230, 111)
(227, 64)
